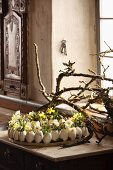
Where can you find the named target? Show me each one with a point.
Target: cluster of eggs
(73, 133)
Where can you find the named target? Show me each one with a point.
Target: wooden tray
(42, 144)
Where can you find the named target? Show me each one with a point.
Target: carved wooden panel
(15, 49)
(12, 46)
(0, 6)
(12, 86)
(17, 5)
(1, 51)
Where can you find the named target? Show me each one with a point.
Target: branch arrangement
(78, 94)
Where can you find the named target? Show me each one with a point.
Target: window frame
(98, 21)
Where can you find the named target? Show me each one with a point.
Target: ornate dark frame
(13, 80)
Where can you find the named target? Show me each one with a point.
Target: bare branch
(99, 93)
(38, 74)
(92, 72)
(102, 54)
(107, 45)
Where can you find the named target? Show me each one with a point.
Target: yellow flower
(42, 115)
(50, 110)
(16, 126)
(28, 126)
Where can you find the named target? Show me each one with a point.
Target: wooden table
(88, 156)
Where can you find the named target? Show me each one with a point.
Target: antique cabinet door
(15, 49)
(2, 10)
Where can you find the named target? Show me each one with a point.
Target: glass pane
(106, 35)
(106, 8)
(109, 72)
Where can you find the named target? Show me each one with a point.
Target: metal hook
(63, 49)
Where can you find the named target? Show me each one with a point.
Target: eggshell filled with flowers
(47, 138)
(85, 131)
(38, 136)
(78, 132)
(22, 136)
(30, 136)
(45, 127)
(16, 134)
(10, 133)
(72, 133)
(63, 134)
(55, 135)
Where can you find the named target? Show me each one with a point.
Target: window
(106, 39)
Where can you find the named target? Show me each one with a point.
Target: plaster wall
(51, 21)
(39, 32)
(74, 21)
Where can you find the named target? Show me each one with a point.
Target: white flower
(43, 122)
(31, 113)
(17, 115)
(36, 125)
(38, 136)
(17, 112)
(15, 118)
(55, 135)
(30, 136)
(47, 138)
(61, 121)
(53, 122)
(68, 123)
(63, 134)
(50, 122)
(28, 126)
(72, 133)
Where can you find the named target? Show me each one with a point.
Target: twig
(38, 74)
(54, 99)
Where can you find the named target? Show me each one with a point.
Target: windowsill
(19, 104)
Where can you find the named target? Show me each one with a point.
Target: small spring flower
(68, 123)
(28, 126)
